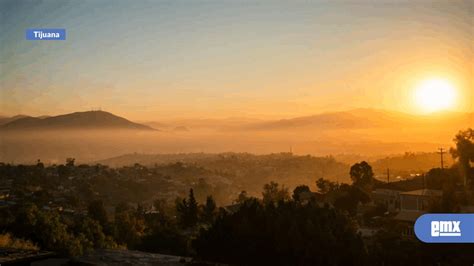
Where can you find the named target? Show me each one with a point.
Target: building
(387, 197)
(413, 204)
(418, 200)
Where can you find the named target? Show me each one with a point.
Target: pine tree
(192, 210)
(209, 210)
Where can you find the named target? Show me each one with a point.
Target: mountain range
(352, 119)
(366, 119)
(355, 119)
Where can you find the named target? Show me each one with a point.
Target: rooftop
(408, 216)
(424, 192)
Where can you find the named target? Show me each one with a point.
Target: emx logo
(445, 228)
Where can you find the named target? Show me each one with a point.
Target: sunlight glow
(435, 95)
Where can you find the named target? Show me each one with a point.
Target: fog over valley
(98, 135)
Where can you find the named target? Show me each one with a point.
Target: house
(413, 204)
(418, 200)
(387, 197)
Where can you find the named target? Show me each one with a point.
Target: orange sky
(153, 61)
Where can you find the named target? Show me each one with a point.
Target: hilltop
(77, 120)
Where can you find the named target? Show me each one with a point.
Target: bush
(7, 241)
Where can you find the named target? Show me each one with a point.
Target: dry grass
(7, 241)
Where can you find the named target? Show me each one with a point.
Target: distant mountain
(364, 119)
(232, 123)
(78, 120)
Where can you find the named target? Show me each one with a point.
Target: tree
(202, 190)
(192, 208)
(448, 203)
(362, 174)
(464, 152)
(347, 197)
(159, 205)
(39, 164)
(438, 178)
(70, 162)
(96, 211)
(46, 229)
(243, 196)
(93, 232)
(187, 210)
(273, 194)
(326, 186)
(298, 190)
(129, 226)
(209, 210)
(283, 234)
(166, 240)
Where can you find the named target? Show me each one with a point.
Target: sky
(154, 60)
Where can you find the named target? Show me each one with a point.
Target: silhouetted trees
(129, 225)
(209, 210)
(298, 190)
(187, 210)
(326, 186)
(362, 174)
(165, 240)
(70, 162)
(283, 234)
(92, 231)
(272, 193)
(347, 198)
(96, 211)
(243, 196)
(50, 231)
(464, 153)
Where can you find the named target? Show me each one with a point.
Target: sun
(435, 95)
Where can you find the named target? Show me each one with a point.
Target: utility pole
(441, 152)
(424, 181)
(388, 175)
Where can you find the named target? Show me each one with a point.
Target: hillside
(250, 171)
(414, 161)
(365, 119)
(77, 120)
(6, 119)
